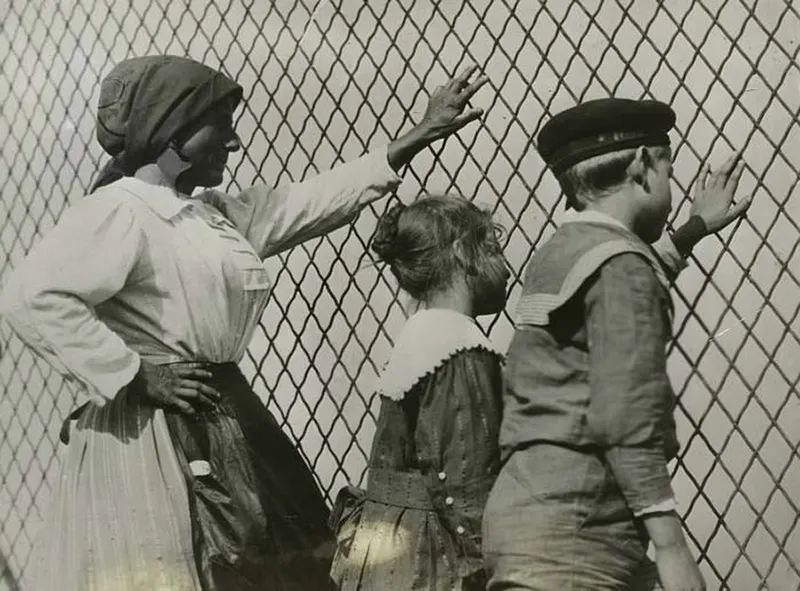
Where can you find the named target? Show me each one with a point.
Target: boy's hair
(591, 179)
(418, 242)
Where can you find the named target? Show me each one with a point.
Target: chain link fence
(326, 79)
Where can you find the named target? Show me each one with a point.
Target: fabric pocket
(345, 518)
(608, 505)
(348, 501)
(255, 279)
(229, 526)
(562, 485)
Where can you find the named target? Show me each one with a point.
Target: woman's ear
(639, 167)
(172, 164)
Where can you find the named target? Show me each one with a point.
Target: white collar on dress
(428, 339)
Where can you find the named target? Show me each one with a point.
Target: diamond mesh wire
(327, 79)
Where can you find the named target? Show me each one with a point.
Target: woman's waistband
(219, 370)
(171, 358)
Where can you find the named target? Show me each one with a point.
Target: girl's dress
(152, 500)
(433, 461)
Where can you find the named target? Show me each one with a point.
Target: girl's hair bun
(418, 242)
(385, 242)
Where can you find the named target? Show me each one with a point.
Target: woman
(176, 476)
(435, 453)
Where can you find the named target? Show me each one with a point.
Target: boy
(587, 422)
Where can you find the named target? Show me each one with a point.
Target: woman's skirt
(258, 518)
(218, 501)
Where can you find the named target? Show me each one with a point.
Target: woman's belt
(400, 489)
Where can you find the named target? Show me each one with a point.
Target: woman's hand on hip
(446, 113)
(177, 386)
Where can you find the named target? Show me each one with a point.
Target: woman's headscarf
(145, 101)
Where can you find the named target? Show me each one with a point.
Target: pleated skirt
(148, 500)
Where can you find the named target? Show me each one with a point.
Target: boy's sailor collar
(428, 339)
(664, 246)
(536, 304)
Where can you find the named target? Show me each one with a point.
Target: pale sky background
(325, 81)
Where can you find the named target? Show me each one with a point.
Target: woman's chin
(213, 178)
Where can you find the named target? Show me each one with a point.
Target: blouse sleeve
(631, 399)
(667, 253)
(48, 300)
(672, 251)
(457, 439)
(273, 220)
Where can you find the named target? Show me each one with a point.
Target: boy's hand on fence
(445, 114)
(713, 194)
(677, 570)
(176, 387)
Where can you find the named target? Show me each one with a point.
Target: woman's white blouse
(137, 271)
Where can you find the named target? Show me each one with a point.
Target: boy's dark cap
(601, 126)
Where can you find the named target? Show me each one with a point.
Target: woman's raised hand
(445, 114)
(447, 110)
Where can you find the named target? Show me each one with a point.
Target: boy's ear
(637, 169)
(569, 192)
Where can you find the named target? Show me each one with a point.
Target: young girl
(435, 454)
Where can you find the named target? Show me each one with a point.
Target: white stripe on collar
(428, 339)
(590, 216)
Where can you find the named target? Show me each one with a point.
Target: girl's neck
(457, 298)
